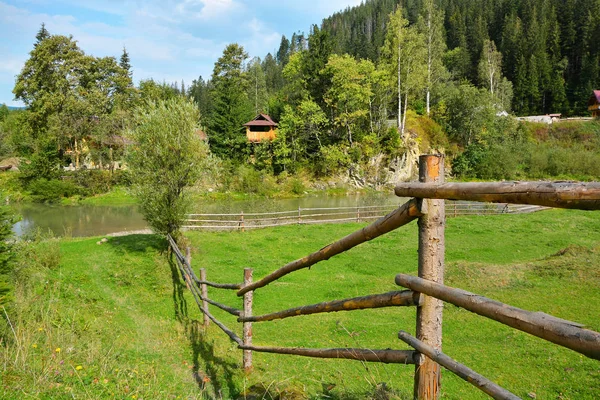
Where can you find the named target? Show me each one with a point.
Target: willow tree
(166, 159)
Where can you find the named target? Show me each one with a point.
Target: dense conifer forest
(550, 48)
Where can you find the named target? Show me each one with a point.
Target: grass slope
(127, 329)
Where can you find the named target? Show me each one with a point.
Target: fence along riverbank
(244, 220)
(426, 293)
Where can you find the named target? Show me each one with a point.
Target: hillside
(118, 323)
(549, 50)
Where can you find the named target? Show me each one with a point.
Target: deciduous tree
(166, 159)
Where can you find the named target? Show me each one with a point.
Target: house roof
(595, 99)
(261, 120)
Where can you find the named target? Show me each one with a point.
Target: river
(85, 220)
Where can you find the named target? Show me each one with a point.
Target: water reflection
(78, 220)
(101, 220)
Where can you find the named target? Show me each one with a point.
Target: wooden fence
(242, 220)
(426, 292)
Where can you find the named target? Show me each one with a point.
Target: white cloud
(11, 65)
(207, 9)
(261, 39)
(166, 39)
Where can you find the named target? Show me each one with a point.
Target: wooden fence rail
(402, 298)
(576, 195)
(245, 342)
(461, 370)
(308, 216)
(427, 291)
(565, 333)
(401, 216)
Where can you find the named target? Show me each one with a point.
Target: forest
(357, 98)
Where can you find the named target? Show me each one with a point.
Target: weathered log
(401, 216)
(576, 195)
(390, 299)
(226, 308)
(247, 326)
(231, 286)
(475, 379)
(227, 331)
(555, 330)
(384, 356)
(428, 375)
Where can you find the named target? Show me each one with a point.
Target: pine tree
(283, 54)
(317, 56)
(231, 107)
(42, 34)
(124, 62)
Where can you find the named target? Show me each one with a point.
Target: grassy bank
(110, 321)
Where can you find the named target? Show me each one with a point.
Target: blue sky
(167, 40)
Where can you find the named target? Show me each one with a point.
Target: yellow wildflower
(57, 350)
(40, 329)
(79, 368)
(34, 345)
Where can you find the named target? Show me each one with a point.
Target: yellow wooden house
(261, 128)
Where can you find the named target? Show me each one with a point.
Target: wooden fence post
(188, 258)
(204, 293)
(357, 214)
(299, 215)
(247, 337)
(431, 267)
(241, 224)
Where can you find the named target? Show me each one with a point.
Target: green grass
(116, 307)
(118, 196)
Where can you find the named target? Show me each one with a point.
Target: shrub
(93, 182)
(6, 254)
(249, 180)
(44, 190)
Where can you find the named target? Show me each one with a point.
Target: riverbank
(284, 188)
(117, 210)
(113, 324)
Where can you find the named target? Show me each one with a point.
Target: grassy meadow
(113, 320)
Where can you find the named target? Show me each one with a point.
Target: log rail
(427, 291)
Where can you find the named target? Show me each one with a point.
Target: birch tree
(404, 53)
(490, 66)
(431, 25)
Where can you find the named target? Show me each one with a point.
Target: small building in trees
(261, 128)
(594, 104)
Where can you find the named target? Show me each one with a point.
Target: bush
(94, 182)
(249, 180)
(44, 190)
(6, 254)
(296, 186)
